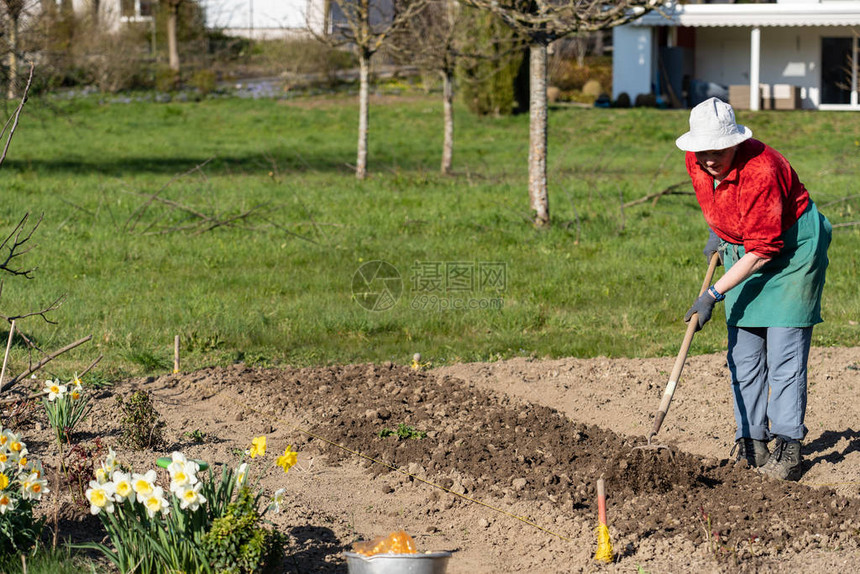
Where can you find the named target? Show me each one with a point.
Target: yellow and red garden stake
(604, 545)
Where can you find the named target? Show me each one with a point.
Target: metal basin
(429, 563)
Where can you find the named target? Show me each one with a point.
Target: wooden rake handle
(682, 353)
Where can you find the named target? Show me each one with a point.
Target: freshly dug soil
(498, 462)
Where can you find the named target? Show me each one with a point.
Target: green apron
(786, 292)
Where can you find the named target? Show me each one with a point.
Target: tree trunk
(172, 48)
(12, 88)
(448, 101)
(537, 135)
(364, 80)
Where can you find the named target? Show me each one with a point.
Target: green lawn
(279, 288)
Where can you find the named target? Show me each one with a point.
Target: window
(137, 8)
(838, 70)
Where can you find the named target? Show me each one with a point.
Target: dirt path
(514, 449)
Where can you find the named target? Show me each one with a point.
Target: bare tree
(543, 21)
(429, 42)
(14, 11)
(172, 7)
(367, 26)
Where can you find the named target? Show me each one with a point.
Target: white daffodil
(6, 503)
(277, 500)
(190, 497)
(102, 475)
(6, 461)
(15, 444)
(101, 496)
(107, 467)
(182, 475)
(122, 486)
(155, 502)
(143, 484)
(22, 461)
(77, 391)
(110, 460)
(177, 457)
(33, 487)
(55, 390)
(36, 467)
(242, 474)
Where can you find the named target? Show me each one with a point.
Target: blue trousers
(768, 366)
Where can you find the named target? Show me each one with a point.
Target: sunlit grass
(277, 287)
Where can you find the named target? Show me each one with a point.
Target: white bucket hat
(713, 126)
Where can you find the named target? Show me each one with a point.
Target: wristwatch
(716, 294)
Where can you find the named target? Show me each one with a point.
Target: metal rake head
(651, 446)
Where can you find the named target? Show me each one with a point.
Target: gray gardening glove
(703, 306)
(711, 247)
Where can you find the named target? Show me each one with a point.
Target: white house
(258, 19)
(803, 52)
(265, 19)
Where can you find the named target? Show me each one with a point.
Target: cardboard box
(771, 97)
(783, 97)
(739, 96)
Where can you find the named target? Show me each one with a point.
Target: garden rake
(679, 363)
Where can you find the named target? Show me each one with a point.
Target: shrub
(141, 424)
(592, 88)
(80, 51)
(487, 82)
(562, 71)
(646, 101)
(237, 544)
(166, 80)
(623, 100)
(204, 81)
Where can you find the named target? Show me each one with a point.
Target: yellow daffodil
(288, 460)
(258, 446)
(4, 481)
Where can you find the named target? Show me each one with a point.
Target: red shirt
(757, 201)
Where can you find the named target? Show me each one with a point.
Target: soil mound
(496, 448)
(498, 462)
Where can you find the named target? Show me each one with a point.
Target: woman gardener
(773, 243)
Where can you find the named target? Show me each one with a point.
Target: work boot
(753, 451)
(785, 460)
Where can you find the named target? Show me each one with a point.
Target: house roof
(798, 13)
